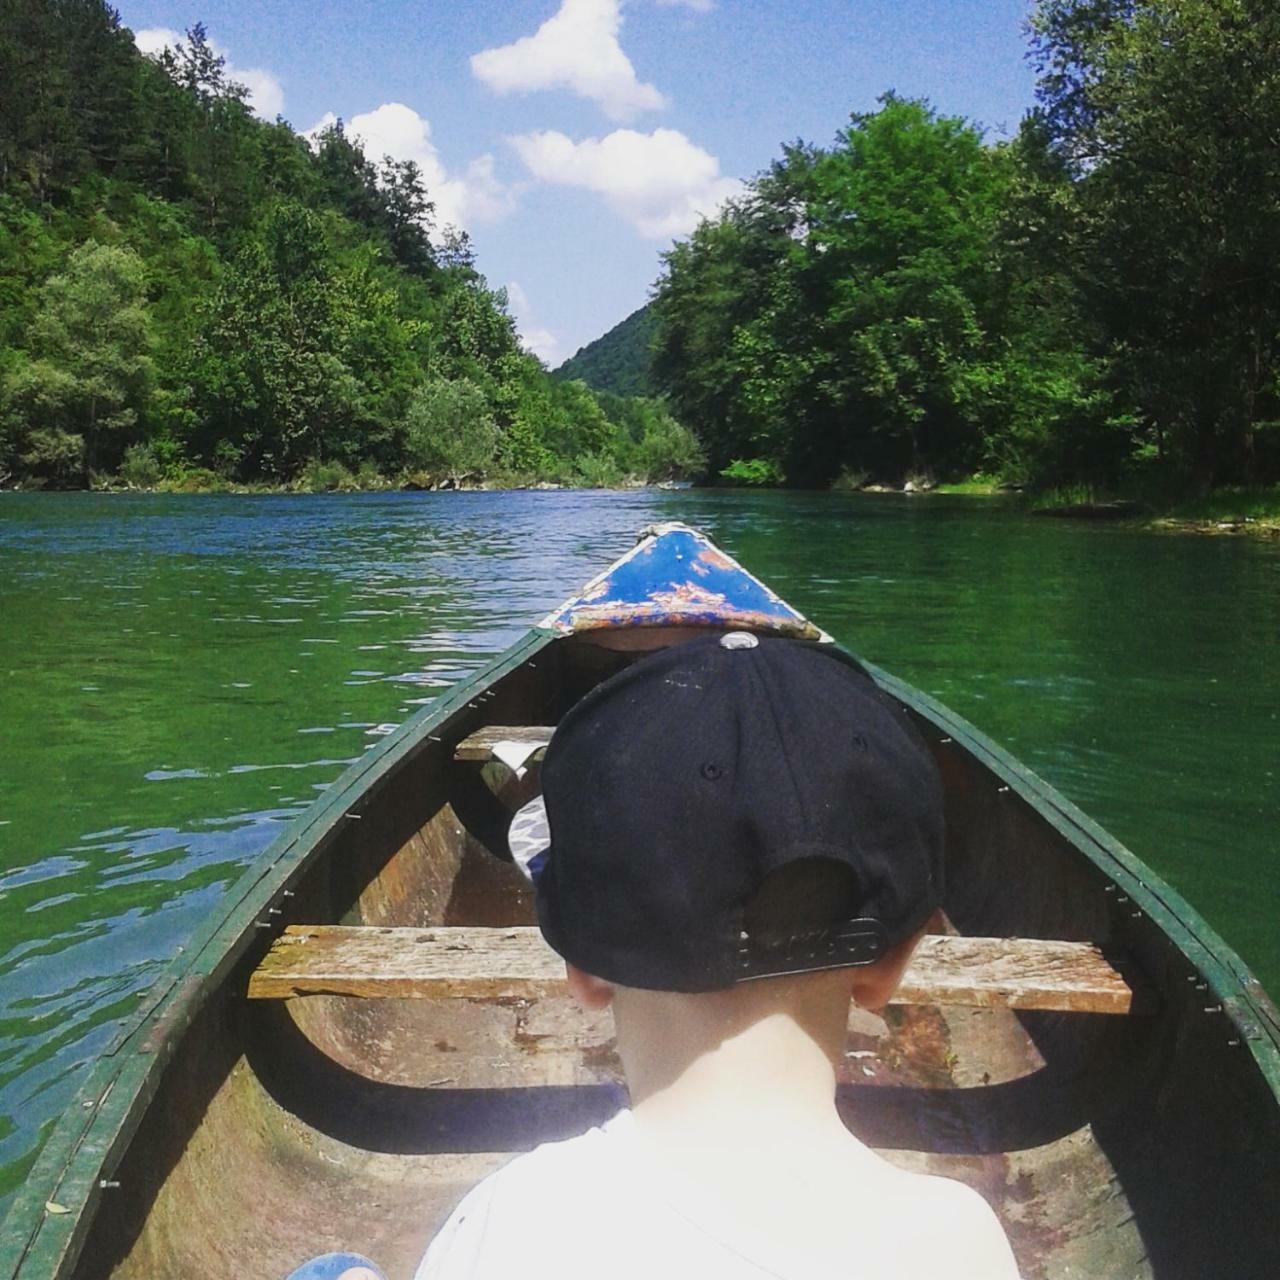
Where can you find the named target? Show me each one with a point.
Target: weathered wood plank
(433, 963)
(495, 964)
(1014, 973)
(479, 745)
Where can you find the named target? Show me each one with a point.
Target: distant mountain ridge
(618, 361)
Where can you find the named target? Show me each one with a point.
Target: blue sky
(573, 139)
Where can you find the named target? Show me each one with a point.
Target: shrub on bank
(327, 477)
(752, 472)
(141, 469)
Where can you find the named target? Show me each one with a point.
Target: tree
(200, 70)
(287, 294)
(42, 143)
(78, 391)
(1165, 113)
(348, 181)
(456, 254)
(270, 381)
(407, 215)
(449, 431)
(828, 317)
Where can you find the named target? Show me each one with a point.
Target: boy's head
(736, 808)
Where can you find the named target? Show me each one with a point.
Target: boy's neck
(754, 1066)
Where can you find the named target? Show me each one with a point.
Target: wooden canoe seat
(498, 964)
(479, 745)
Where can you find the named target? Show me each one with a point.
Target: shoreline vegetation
(1228, 510)
(334, 480)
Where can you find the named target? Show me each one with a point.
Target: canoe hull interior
(1110, 1146)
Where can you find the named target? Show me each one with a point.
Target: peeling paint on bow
(676, 577)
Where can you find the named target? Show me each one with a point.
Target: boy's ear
(590, 992)
(874, 985)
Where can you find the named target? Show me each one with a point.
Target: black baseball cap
(679, 789)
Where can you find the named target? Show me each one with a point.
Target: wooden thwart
(479, 745)
(493, 964)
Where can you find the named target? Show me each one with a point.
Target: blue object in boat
(331, 1265)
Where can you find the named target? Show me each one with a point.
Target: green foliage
(1234, 504)
(666, 449)
(597, 470)
(69, 400)
(752, 471)
(830, 317)
(980, 482)
(270, 372)
(449, 431)
(141, 467)
(1164, 114)
(521, 451)
(619, 361)
(327, 477)
(1068, 495)
(369, 477)
(850, 480)
(1094, 302)
(193, 297)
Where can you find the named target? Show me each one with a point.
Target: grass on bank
(1232, 506)
(977, 483)
(1230, 509)
(1248, 509)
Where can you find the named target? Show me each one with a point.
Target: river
(182, 675)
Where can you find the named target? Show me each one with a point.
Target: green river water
(179, 676)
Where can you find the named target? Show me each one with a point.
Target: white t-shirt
(597, 1205)
(587, 1207)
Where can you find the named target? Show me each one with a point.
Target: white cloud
(477, 195)
(542, 342)
(575, 49)
(153, 41)
(326, 121)
(660, 182)
(266, 93)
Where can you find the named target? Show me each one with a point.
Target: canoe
(369, 1024)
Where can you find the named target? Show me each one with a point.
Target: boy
(744, 835)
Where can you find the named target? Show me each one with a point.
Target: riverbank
(339, 480)
(1253, 510)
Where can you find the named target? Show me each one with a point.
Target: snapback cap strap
(840, 946)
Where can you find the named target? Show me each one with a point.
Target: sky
(575, 139)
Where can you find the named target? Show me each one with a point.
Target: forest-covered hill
(619, 361)
(192, 296)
